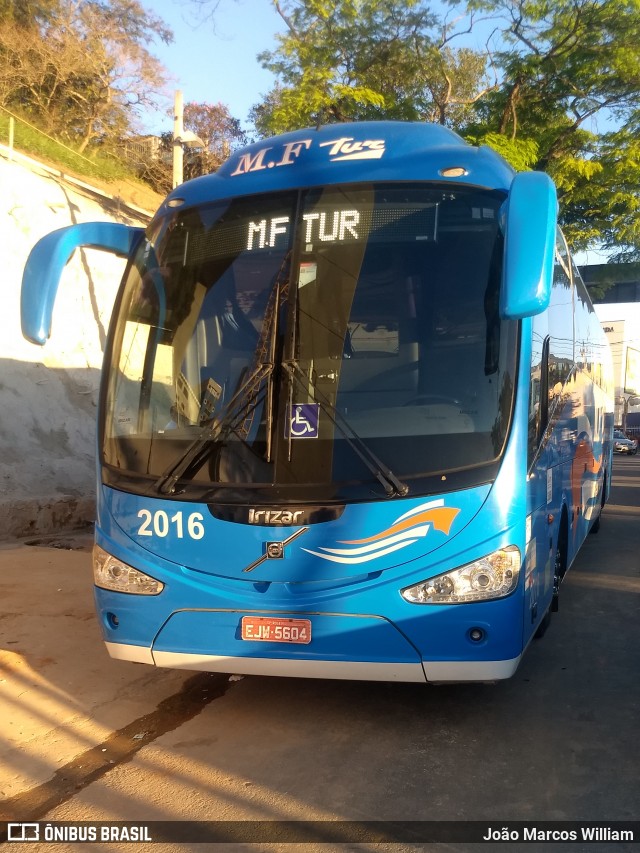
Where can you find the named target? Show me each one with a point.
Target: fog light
(476, 634)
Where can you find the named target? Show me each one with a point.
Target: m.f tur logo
(343, 148)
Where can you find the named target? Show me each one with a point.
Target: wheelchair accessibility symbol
(303, 420)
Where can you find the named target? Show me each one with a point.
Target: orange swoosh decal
(441, 517)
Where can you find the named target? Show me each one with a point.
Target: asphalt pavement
(73, 719)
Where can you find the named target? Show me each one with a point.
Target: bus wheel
(559, 569)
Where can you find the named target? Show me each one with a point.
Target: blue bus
(356, 412)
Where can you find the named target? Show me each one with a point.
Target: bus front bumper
(362, 648)
(436, 672)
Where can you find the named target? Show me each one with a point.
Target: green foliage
(571, 68)
(563, 95)
(607, 202)
(522, 154)
(365, 59)
(38, 145)
(80, 70)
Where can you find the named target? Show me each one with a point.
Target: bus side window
(551, 351)
(561, 355)
(539, 386)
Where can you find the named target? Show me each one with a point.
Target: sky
(213, 61)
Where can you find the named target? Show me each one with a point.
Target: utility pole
(178, 134)
(181, 137)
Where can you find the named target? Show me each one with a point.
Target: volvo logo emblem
(275, 550)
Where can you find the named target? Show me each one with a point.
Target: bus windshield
(291, 344)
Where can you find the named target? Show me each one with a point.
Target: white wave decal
(376, 546)
(362, 559)
(420, 508)
(406, 530)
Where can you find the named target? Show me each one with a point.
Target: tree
(217, 129)
(367, 59)
(569, 68)
(220, 132)
(559, 92)
(80, 68)
(120, 75)
(26, 12)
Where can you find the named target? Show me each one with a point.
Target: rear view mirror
(48, 259)
(530, 220)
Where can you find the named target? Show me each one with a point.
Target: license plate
(270, 629)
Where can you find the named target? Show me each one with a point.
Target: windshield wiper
(239, 407)
(391, 484)
(238, 415)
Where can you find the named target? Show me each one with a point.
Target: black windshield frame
(296, 486)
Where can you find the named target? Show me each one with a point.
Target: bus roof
(348, 153)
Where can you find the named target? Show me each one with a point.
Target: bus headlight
(493, 576)
(111, 573)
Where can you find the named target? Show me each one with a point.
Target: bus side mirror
(530, 221)
(48, 259)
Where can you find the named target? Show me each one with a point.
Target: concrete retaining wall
(48, 395)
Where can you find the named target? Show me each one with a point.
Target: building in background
(140, 150)
(608, 283)
(615, 291)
